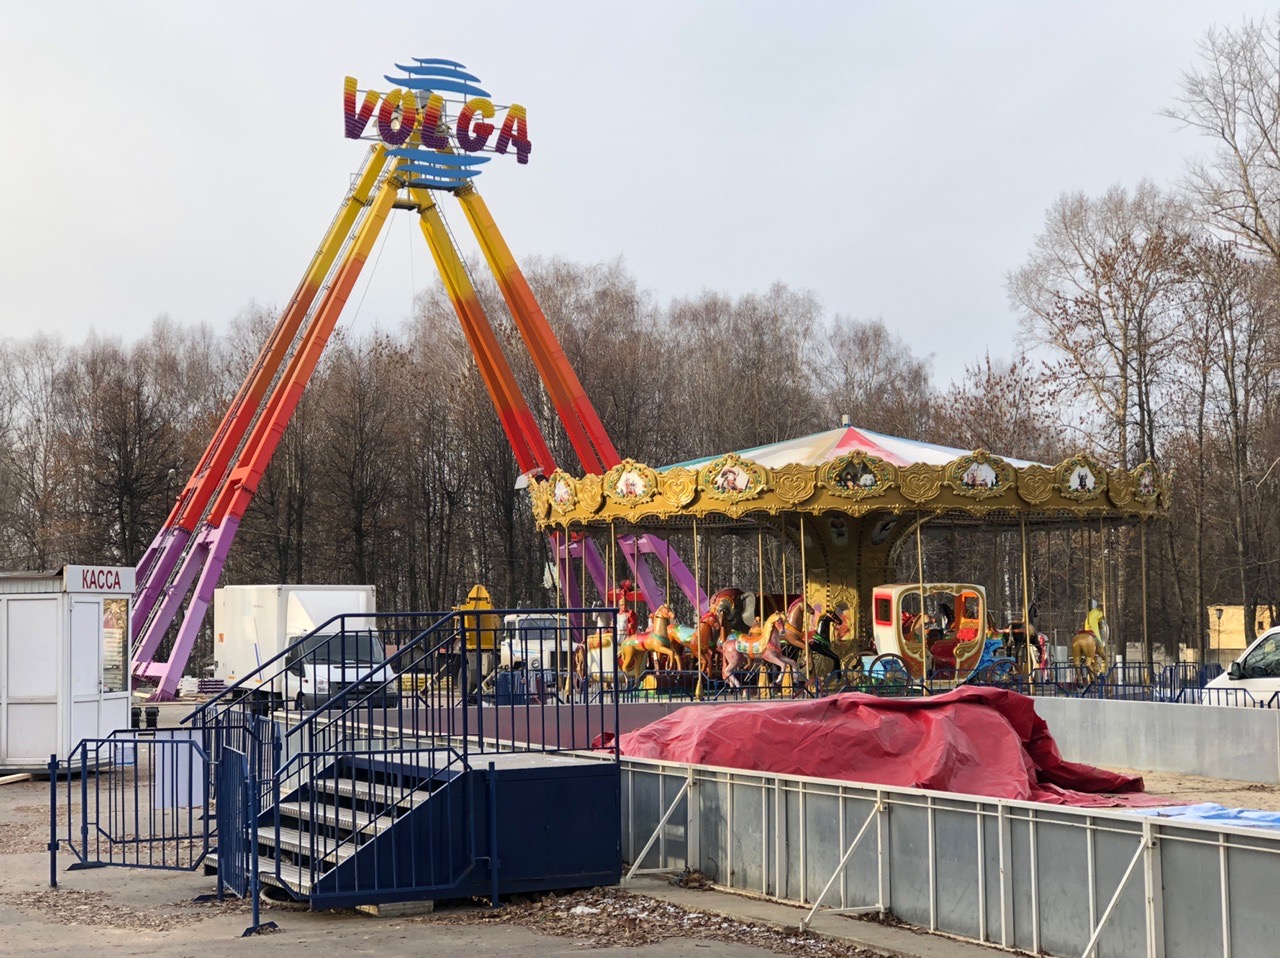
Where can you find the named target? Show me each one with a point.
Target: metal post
(53, 821)
(1153, 891)
(494, 862)
(693, 830)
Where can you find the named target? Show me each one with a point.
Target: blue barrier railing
(134, 802)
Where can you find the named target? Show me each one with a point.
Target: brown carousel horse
(705, 641)
(796, 635)
(633, 650)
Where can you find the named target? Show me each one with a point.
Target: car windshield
(537, 630)
(1264, 661)
(342, 647)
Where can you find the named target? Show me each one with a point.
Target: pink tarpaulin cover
(977, 741)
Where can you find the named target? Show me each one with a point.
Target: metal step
(339, 817)
(292, 877)
(363, 791)
(300, 843)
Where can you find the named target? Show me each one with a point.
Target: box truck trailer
(252, 624)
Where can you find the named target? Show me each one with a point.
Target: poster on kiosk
(64, 660)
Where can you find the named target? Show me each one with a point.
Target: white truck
(537, 642)
(254, 623)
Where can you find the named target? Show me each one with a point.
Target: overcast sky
(896, 159)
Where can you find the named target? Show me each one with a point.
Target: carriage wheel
(852, 661)
(1001, 672)
(890, 669)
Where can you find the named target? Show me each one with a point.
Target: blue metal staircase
(411, 782)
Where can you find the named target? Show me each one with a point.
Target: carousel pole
(924, 642)
(804, 601)
(1026, 603)
(697, 604)
(1146, 637)
(760, 616)
(760, 569)
(1104, 554)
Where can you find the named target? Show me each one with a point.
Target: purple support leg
(170, 601)
(219, 541)
(680, 573)
(586, 546)
(653, 593)
(569, 581)
(150, 588)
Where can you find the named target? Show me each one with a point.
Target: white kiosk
(64, 660)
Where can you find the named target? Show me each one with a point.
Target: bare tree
(1100, 290)
(871, 375)
(1233, 97)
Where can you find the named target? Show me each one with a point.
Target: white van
(1253, 679)
(254, 623)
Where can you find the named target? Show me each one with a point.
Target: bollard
(135, 717)
(153, 716)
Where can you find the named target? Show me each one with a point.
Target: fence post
(53, 821)
(693, 826)
(1153, 891)
(84, 802)
(494, 863)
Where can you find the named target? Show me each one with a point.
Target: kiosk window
(115, 626)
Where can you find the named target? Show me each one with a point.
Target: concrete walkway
(898, 941)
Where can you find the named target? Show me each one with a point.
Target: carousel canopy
(819, 448)
(850, 473)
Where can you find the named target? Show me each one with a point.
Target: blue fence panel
(237, 845)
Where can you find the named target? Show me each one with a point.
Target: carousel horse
(795, 635)
(704, 641)
(663, 623)
(634, 651)
(662, 640)
(1087, 655)
(761, 644)
(595, 642)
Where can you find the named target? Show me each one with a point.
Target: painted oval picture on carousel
(631, 482)
(858, 476)
(979, 475)
(1080, 478)
(1146, 487)
(732, 478)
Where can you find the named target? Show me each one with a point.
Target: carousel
(846, 505)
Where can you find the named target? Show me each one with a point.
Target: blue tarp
(1217, 814)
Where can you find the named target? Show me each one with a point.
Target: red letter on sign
(515, 129)
(356, 120)
(473, 139)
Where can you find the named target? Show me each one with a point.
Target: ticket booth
(64, 660)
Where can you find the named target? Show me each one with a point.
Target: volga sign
(436, 118)
(98, 578)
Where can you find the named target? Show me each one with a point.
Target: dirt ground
(1185, 789)
(142, 912)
